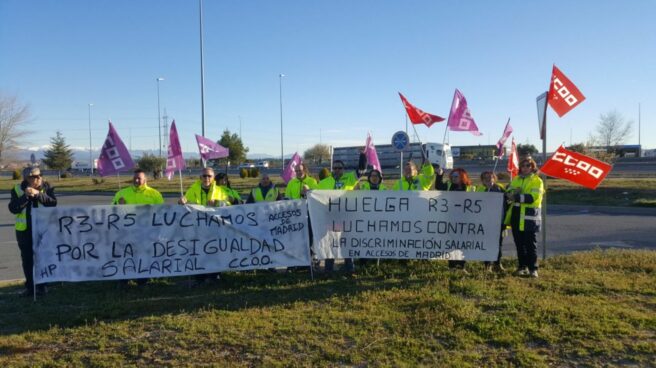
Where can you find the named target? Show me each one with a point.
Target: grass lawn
(612, 192)
(587, 309)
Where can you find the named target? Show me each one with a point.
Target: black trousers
(24, 239)
(527, 248)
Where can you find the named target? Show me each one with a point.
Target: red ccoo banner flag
(576, 167)
(563, 94)
(417, 115)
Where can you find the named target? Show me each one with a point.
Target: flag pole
(423, 153)
(180, 172)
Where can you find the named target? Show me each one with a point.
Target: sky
(343, 61)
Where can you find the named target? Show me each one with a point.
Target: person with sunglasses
(374, 181)
(339, 180)
(204, 191)
(459, 181)
(32, 192)
(525, 196)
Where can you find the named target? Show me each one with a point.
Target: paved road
(569, 228)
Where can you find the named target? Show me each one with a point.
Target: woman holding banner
(459, 181)
(525, 195)
(489, 180)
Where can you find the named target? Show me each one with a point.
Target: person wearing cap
(298, 187)
(264, 191)
(32, 192)
(139, 192)
(374, 181)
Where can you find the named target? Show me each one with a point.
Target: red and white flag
(460, 118)
(513, 160)
(419, 116)
(175, 161)
(370, 152)
(288, 172)
(114, 157)
(507, 131)
(209, 149)
(576, 167)
(563, 94)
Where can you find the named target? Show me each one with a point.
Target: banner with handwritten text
(406, 224)
(146, 241)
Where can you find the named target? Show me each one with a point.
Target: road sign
(400, 140)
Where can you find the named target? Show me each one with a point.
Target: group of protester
(521, 211)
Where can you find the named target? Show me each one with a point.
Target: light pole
(90, 149)
(159, 118)
(282, 154)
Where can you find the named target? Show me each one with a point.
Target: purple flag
(175, 161)
(370, 152)
(288, 172)
(209, 149)
(114, 157)
(506, 133)
(460, 118)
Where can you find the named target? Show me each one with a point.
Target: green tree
(525, 150)
(151, 163)
(58, 157)
(235, 145)
(317, 154)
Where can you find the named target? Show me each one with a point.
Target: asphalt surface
(569, 229)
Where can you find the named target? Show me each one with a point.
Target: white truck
(389, 157)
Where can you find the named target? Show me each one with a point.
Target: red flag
(417, 115)
(576, 167)
(513, 160)
(563, 94)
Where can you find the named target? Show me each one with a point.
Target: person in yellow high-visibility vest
(525, 192)
(205, 191)
(298, 187)
(265, 191)
(32, 192)
(139, 192)
(413, 180)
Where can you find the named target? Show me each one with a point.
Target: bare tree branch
(13, 117)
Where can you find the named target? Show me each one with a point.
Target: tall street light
(159, 118)
(90, 149)
(282, 154)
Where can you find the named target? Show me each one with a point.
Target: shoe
(534, 274)
(521, 272)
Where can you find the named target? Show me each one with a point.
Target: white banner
(406, 224)
(146, 241)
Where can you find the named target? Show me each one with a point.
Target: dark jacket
(18, 203)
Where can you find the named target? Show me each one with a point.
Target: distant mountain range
(82, 155)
